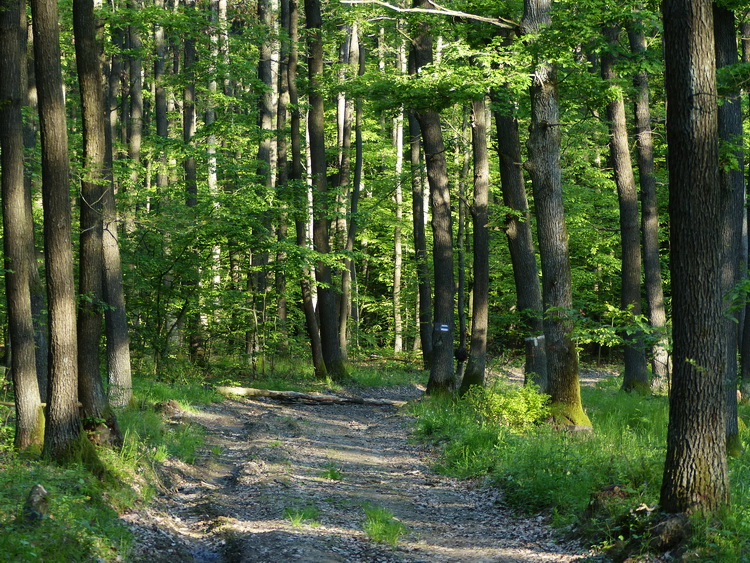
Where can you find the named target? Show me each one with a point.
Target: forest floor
(266, 462)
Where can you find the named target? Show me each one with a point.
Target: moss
(734, 445)
(569, 415)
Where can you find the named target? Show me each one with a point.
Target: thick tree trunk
(733, 203)
(442, 376)
(63, 420)
(657, 315)
(544, 168)
(521, 245)
(18, 232)
(295, 176)
(636, 376)
(326, 299)
(90, 387)
(424, 305)
(475, 369)
(695, 471)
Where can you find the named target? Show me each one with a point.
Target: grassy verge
(601, 485)
(81, 516)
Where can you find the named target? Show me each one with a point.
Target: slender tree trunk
(521, 245)
(636, 374)
(463, 156)
(544, 168)
(344, 185)
(300, 221)
(38, 290)
(745, 345)
(733, 204)
(657, 315)
(695, 471)
(115, 318)
(326, 300)
(18, 231)
(135, 118)
(480, 214)
(348, 275)
(63, 420)
(90, 387)
(398, 323)
(194, 328)
(424, 304)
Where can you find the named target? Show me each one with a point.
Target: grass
(592, 483)
(299, 516)
(332, 473)
(381, 526)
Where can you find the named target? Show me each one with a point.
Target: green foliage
(332, 473)
(505, 404)
(302, 515)
(381, 526)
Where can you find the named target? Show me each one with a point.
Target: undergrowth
(81, 520)
(593, 483)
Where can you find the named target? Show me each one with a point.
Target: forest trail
(265, 459)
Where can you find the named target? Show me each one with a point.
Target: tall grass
(591, 482)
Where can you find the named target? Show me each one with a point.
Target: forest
(217, 197)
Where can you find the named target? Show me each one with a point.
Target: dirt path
(264, 459)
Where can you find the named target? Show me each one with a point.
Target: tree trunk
(636, 375)
(18, 232)
(544, 168)
(521, 245)
(115, 319)
(424, 305)
(295, 176)
(695, 471)
(90, 386)
(316, 124)
(442, 376)
(345, 303)
(745, 349)
(733, 203)
(135, 120)
(194, 328)
(480, 215)
(63, 420)
(657, 315)
(463, 156)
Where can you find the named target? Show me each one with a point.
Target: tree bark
(521, 245)
(475, 368)
(745, 342)
(326, 300)
(732, 214)
(544, 168)
(119, 377)
(424, 305)
(63, 420)
(18, 232)
(657, 315)
(442, 376)
(636, 375)
(695, 471)
(90, 387)
(300, 221)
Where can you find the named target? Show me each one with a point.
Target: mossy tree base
(569, 415)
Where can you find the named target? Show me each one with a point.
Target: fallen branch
(293, 396)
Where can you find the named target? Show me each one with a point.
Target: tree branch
(499, 22)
